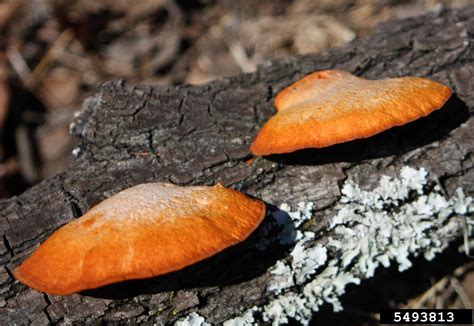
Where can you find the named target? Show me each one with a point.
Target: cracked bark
(129, 134)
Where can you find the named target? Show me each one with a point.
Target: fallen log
(188, 135)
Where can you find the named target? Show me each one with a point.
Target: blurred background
(53, 54)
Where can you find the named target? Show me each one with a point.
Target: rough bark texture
(130, 134)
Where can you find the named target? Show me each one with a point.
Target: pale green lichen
(401, 218)
(193, 319)
(247, 319)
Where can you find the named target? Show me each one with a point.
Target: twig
(26, 76)
(420, 301)
(53, 53)
(458, 272)
(460, 292)
(466, 233)
(18, 64)
(238, 53)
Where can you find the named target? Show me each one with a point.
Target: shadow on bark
(395, 141)
(240, 263)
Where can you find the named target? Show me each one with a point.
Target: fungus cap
(331, 107)
(143, 231)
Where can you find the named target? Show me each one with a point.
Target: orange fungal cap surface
(331, 107)
(144, 231)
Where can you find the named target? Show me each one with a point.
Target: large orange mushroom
(144, 231)
(331, 107)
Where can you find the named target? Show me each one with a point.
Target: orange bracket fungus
(331, 107)
(143, 231)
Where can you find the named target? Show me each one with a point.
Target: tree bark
(189, 135)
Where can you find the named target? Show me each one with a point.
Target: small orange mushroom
(331, 107)
(144, 231)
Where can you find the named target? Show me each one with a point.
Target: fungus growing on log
(331, 107)
(143, 231)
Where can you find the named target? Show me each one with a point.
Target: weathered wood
(130, 134)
